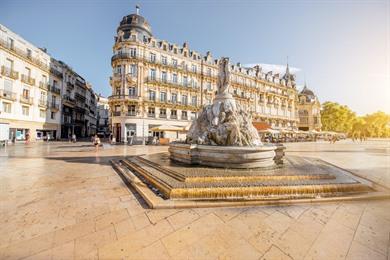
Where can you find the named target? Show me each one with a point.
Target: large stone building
(157, 83)
(29, 101)
(103, 116)
(40, 96)
(309, 111)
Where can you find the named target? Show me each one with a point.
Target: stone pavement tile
(112, 217)
(134, 208)
(263, 238)
(154, 251)
(159, 214)
(332, 243)
(307, 227)
(346, 218)
(278, 221)
(135, 241)
(275, 253)
(294, 244)
(228, 213)
(187, 235)
(361, 252)
(182, 218)
(28, 247)
(72, 232)
(293, 211)
(91, 242)
(140, 221)
(124, 227)
(376, 238)
(62, 252)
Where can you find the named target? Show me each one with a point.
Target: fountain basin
(236, 157)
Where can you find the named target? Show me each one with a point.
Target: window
(175, 50)
(27, 72)
(9, 64)
(152, 95)
(173, 113)
(164, 76)
(174, 97)
(43, 96)
(163, 112)
(10, 43)
(118, 69)
(7, 107)
(184, 100)
(117, 91)
(209, 72)
(209, 86)
(26, 93)
(174, 62)
(42, 113)
(194, 83)
(54, 83)
(152, 73)
(174, 78)
(131, 110)
(28, 53)
(25, 110)
(52, 115)
(153, 57)
(151, 112)
(194, 100)
(163, 96)
(185, 81)
(7, 86)
(133, 70)
(164, 60)
(184, 115)
(132, 91)
(133, 52)
(194, 68)
(193, 115)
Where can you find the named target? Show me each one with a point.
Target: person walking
(96, 141)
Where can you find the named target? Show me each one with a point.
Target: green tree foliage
(336, 117)
(339, 118)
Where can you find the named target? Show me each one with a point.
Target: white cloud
(276, 68)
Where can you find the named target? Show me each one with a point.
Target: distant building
(103, 116)
(29, 101)
(309, 109)
(40, 96)
(157, 83)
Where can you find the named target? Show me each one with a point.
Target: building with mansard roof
(309, 110)
(157, 83)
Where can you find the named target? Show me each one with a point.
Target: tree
(377, 124)
(336, 117)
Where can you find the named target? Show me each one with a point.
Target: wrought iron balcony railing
(9, 95)
(9, 72)
(26, 99)
(28, 79)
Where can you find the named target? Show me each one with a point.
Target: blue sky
(342, 48)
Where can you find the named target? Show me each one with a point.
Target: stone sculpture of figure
(224, 76)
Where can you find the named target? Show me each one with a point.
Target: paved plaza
(64, 201)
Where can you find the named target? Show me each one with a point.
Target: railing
(184, 117)
(123, 97)
(54, 106)
(131, 114)
(42, 102)
(116, 113)
(24, 54)
(26, 100)
(7, 95)
(170, 82)
(173, 117)
(44, 85)
(151, 115)
(68, 99)
(55, 90)
(162, 116)
(70, 84)
(9, 72)
(56, 72)
(28, 80)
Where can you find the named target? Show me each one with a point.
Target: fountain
(223, 163)
(223, 134)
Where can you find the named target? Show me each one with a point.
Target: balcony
(42, 103)
(24, 54)
(184, 117)
(162, 116)
(70, 85)
(44, 85)
(4, 94)
(54, 106)
(123, 97)
(67, 100)
(9, 72)
(28, 80)
(26, 100)
(131, 113)
(116, 113)
(151, 115)
(56, 72)
(173, 116)
(55, 90)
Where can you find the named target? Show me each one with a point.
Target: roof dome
(136, 23)
(307, 92)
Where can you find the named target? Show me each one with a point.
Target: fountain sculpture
(223, 134)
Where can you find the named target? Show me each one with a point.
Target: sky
(341, 48)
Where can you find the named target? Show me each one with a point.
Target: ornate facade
(157, 83)
(309, 111)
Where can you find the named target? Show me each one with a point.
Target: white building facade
(29, 102)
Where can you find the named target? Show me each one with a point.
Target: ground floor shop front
(20, 130)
